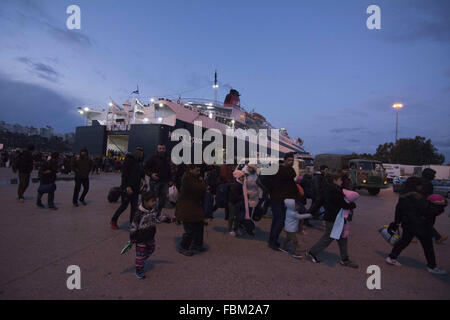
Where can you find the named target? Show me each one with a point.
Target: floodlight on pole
(397, 106)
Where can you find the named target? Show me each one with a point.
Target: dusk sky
(312, 67)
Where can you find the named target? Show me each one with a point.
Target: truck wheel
(373, 191)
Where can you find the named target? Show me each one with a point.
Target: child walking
(291, 227)
(143, 230)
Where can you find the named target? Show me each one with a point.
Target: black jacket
(25, 162)
(159, 165)
(282, 185)
(428, 188)
(132, 173)
(48, 178)
(334, 201)
(306, 184)
(415, 213)
(82, 166)
(318, 183)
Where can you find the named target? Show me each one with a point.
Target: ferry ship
(136, 123)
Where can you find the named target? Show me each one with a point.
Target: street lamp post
(397, 106)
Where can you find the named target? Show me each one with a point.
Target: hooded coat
(292, 216)
(190, 200)
(415, 213)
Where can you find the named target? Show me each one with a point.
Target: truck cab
(367, 174)
(363, 173)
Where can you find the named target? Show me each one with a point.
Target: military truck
(363, 173)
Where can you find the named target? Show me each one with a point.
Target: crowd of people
(245, 197)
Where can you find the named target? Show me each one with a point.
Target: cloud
(225, 86)
(434, 23)
(31, 104)
(34, 14)
(345, 130)
(42, 70)
(337, 151)
(69, 36)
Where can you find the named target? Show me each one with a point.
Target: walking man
(281, 187)
(318, 183)
(81, 166)
(25, 167)
(132, 176)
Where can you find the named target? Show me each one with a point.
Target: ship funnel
(232, 99)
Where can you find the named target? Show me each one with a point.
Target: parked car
(397, 183)
(442, 187)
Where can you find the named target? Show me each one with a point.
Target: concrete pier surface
(38, 245)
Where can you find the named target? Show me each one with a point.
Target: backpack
(114, 194)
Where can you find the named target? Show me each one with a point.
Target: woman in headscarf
(189, 210)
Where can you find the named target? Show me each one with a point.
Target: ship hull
(98, 140)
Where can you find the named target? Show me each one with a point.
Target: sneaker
(114, 225)
(441, 239)
(21, 200)
(436, 270)
(312, 257)
(185, 252)
(83, 202)
(140, 275)
(75, 204)
(393, 262)
(297, 255)
(40, 205)
(348, 263)
(53, 208)
(232, 233)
